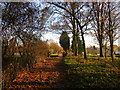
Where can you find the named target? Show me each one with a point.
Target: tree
(112, 23)
(105, 23)
(80, 46)
(80, 16)
(54, 48)
(23, 22)
(64, 41)
(22, 25)
(98, 22)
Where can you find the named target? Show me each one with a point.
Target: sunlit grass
(93, 72)
(54, 55)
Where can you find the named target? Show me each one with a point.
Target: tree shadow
(52, 81)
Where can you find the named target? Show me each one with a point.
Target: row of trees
(101, 19)
(65, 43)
(25, 22)
(106, 16)
(22, 26)
(92, 50)
(54, 48)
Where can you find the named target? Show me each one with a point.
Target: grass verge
(92, 73)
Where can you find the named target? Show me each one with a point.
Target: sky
(89, 40)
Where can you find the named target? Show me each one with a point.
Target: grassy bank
(92, 73)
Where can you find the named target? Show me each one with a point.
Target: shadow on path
(48, 73)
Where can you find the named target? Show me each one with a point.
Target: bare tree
(23, 21)
(112, 23)
(98, 23)
(80, 18)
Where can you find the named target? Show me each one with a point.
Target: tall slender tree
(98, 23)
(112, 23)
(65, 41)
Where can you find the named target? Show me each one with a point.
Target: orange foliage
(43, 72)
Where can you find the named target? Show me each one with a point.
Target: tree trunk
(111, 48)
(75, 48)
(78, 22)
(74, 44)
(82, 35)
(84, 48)
(76, 51)
(110, 33)
(101, 32)
(101, 52)
(105, 50)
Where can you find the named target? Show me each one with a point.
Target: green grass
(54, 55)
(92, 74)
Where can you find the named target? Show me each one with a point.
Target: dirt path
(49, 73)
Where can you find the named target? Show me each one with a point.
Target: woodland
(31, 63)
